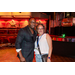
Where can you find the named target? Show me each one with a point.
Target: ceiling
(49, 13)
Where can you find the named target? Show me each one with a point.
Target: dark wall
(50, 13)
(47, 24)
(71, 14)
(69, 31)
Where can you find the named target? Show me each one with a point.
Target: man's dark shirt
(25, 41)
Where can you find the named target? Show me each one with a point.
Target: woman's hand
(49, 41)
(48, 60)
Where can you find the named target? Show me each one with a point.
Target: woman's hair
(41, 25)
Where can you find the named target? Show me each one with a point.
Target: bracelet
(48, 57)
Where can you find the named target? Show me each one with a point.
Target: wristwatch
(48, 57)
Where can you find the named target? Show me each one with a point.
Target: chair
(5, 31)
(17, 31)
(12, 32)
(12, 41)
(5, 40)
(0, 41)
(2, 44)
(2, 31)
(1, 38)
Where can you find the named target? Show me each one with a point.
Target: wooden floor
(9, 54)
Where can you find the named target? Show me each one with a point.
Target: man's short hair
(31, 18)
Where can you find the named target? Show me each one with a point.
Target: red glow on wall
(54, 39)
(3, 23)
(1, 20)
(18, 22)
(42, 21)
(59, 39)
(25, 20)
(9, 20)
(39, 20)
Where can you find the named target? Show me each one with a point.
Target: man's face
(32, 23)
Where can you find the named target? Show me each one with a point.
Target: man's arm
(19, 39)
(22, 59)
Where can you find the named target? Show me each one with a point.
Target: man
(25, 42)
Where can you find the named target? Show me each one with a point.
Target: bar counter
(63, 46)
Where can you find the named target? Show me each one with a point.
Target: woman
(45, 44)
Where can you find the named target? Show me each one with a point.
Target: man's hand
(22, 59)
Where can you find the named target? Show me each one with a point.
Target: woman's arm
(49, 41)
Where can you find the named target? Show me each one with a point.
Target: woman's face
(40, 30)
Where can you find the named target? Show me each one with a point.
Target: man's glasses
(32, 22)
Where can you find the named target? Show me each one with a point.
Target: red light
(21, 23)
(25, 20)
(41, 20)
(1, 20)
(15, 20)
(59, 39)
(3, 23)
(8, 23)
(54, 39)
(71, 24)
